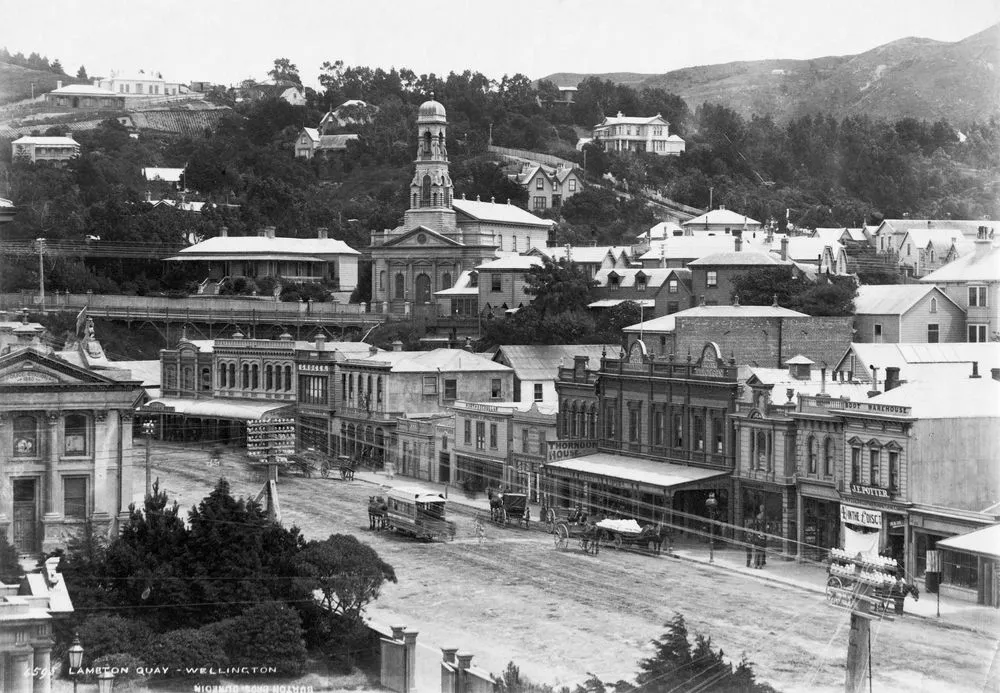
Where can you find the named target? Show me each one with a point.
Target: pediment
(422, 237)
(28, 367)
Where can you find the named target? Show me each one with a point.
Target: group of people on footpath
(756, 545)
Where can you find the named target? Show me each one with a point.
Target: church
(442, 237)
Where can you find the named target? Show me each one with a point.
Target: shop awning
(982, 542)
(620, 468)
(612, 302)
(234, 409)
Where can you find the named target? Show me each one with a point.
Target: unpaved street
(561, 614)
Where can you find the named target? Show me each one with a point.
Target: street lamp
(105, 682)
(147, 430)
(75, 659)
(712, 504)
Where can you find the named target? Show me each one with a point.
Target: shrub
(268, 634)
(112, 635)
(180, 651)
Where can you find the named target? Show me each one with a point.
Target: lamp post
(75, 659)
(147, 431)
(712, 503)
(105, 682)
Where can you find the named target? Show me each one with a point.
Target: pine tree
(82, 73)
(57, 67)
(665, 670)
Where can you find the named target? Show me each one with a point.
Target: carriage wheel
(561, 536)
(549, 518)
(343, 473)
(325, 472)
(618, 541)
(835, 582)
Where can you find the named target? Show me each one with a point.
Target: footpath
(803, 575)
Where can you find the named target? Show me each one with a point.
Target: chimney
(722, 208)
(580, 364)
(975, 370)
(874, 390)
(320, 340)
(223, 232)
(285, 337)
(464, 660)
(97, 83)
(822, 380)
(995, 372)
(269, 232)
(58, 84)
(397, 345)
(468, 344)
(372, 350)
(784, 248)
(321, 233)
(891, 377)
(448, 654)
(397, 632)
(738, 243)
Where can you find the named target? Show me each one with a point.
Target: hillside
(16, 81)
(914, 77)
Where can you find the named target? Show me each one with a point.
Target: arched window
(206, 379)
(933, 305)
(187, 378)
(427, 142)
(381, 280)
(828, 457)
(350, 389)
(25, 436)
(269, 377)
(369, 389)
(425, 192)
(761, 450)
(222, 375)
(288, 378)
(446, 280)
(378, 390)
(812, 452)
(232, 375)
(400, 287)
(343, 387)
(246, 376)
(75, 434)
(255, 376)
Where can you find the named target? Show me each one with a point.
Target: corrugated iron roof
(891, 299)
(533, 362)
(667, 323)
(501, 213)
(980, 265)
(257, 245)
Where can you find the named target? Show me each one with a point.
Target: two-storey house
(906, 313)
(973, 282)
(548, 187)
(638, 134)
(36, 148)
(501, 283)
(536, 366)
(659, 291)
(721, 222)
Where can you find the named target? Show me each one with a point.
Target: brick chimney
(372, 350)
(995, 373)
(321, 233)
(320, 340)
(891, 377)
(975, 370)
(223, 232)
(268, 232)
(58, 84)
(397, 345)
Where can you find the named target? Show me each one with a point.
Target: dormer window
(640, 282)
(614, 282)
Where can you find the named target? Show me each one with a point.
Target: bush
(112, 635)
(180, 651)
(268, 634)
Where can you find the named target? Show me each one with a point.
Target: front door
(25, 514)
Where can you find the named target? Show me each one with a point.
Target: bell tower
(431, 190)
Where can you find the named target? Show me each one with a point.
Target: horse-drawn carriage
(413, 512)
(507, 507)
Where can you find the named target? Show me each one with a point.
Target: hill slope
(915, 77)
(16, 81)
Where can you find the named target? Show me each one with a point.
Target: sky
(226, 41)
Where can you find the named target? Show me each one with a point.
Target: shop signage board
(870, 491)
(861, 516)
(565, 449)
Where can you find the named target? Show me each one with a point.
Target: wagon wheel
(617, 541)
(325, 471)
(561, 534)
(343, 473)
(835, 582)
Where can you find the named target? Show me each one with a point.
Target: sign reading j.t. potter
(861, 516)
(869, 491)
(564, 449)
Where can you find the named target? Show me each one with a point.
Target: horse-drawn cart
(587, 533)
(628, 533)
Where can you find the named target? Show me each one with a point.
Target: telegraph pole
(41, 271)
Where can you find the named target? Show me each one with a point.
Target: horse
(657, 535)
(376, 512)
(496, 505)
(590, 538)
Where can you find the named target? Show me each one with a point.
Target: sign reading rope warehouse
(861, 516)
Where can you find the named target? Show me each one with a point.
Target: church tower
(431, 190)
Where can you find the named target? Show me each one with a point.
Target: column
(6, 446)
(50, 508)
(43, 664)
(20, 672)
(125, 463)
(410, 644)
(105, 439)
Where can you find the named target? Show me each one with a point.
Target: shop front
(476, 474)
(649, 491)
(768, 508)
(980, 550)
(871, 511)
(818, 520)
(524, 474)
(963, 574)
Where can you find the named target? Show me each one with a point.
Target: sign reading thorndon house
(861, 516)
(564, 449)
(869, 491)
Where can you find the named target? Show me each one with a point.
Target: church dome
(431, 110)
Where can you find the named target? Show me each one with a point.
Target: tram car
(418, 513)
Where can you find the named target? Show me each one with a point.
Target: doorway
(25, 515)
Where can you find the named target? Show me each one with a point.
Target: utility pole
(41, 271)
(147, 432)
(710, 191)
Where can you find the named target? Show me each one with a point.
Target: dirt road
(561, 614)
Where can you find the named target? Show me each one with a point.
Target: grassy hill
(16, 81)
(915, 77)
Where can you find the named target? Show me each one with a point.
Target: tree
(831, 296)
(349, 574)
(82, 73)
(486, 180)
(285, 71)
(559, 287)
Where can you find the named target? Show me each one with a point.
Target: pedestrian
(480, 530)
(748, 539)
(763, 549)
